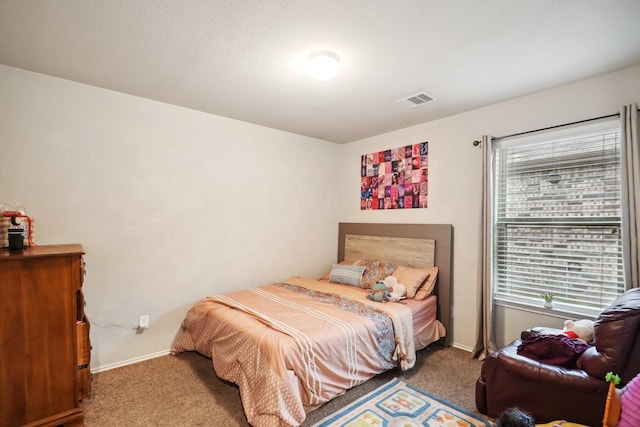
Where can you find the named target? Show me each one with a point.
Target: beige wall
(173, 204)
(170, 204)
(455, 171)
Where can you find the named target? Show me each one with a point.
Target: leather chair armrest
(595, 363)
(532, 370)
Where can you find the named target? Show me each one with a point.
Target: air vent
(416, 100)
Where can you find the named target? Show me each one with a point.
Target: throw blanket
(553, 349)
(400, 316)
(291, 347)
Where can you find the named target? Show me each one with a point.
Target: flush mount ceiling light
(323, 65)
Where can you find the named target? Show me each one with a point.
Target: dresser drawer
(83, 356)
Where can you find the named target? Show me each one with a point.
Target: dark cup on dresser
(16, 239)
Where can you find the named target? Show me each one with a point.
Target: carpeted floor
(183, 390)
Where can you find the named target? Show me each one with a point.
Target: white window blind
(557, 216)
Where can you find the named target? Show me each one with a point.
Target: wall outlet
(143, 322)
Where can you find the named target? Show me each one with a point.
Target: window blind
(557, 217)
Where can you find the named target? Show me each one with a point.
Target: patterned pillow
(371, 272)
(346, 274)
(427, 287)
(411, 278)
(375, 271)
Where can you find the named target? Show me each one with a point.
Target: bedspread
(294, 345)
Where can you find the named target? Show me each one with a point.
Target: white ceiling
(243, 59)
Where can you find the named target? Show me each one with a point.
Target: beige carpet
(183, 390)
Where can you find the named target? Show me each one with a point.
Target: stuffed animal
(379, 292)
(581, 329)
(397, 291)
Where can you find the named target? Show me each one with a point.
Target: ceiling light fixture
(323, 65)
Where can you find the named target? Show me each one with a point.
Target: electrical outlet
(143, 322)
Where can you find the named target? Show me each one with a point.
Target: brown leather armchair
(550, 392)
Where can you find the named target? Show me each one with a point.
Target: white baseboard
(130, 361)
(462, 347)
(166, 352)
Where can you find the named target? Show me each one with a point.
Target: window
(557, 216)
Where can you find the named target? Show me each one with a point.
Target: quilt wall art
(396, 178)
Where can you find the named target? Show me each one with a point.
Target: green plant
(548, 296)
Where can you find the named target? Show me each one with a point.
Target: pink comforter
(291, 347)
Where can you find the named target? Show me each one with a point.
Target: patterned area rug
(402, 405)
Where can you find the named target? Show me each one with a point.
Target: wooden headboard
(416, 245)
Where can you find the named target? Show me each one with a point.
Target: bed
(294, 345)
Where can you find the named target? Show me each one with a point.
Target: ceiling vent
(416, 100)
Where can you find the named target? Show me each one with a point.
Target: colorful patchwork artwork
(395, 179)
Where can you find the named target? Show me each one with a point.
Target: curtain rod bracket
(476, 143)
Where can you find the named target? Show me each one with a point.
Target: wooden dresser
(44, 337)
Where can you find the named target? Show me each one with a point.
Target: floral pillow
(374, 271)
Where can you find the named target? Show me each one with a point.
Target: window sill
(559, 310)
